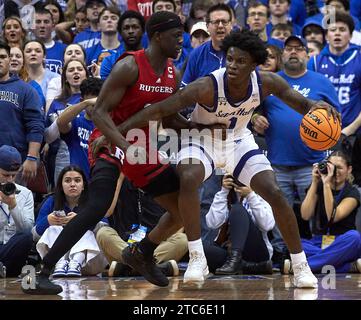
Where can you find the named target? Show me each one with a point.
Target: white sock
(79, 257)
(196, 245)
(298, 257)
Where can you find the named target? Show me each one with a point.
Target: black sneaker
(118, 269)
(169, 268)
(43, 286)
(134, 258)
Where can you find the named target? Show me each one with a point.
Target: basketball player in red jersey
(139, 78)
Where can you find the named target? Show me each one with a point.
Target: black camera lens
(322, 167)
(8, 188)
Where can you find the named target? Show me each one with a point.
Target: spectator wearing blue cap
(16, 213)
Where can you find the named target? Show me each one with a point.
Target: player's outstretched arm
(124, 74)
(199, 91)
(276, 85)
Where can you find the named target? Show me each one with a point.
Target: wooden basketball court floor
(242, 287)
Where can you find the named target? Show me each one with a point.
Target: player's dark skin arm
(200, 91)
(123, 75)
(276, 85)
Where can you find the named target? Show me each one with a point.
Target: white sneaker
(74, 269)
(355, 266)
(61, 268)
(303, 276)
(197, 269)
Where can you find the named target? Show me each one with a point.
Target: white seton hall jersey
(235, 115)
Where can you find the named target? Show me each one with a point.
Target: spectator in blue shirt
(109, 39)
(209, 57)
(340, 62)
(21, 115)
(91, 36)
(75, 124)
(279, 13)
(67, 30)
(73, 75)
(57, 211)
(44, 26)
(131, 27)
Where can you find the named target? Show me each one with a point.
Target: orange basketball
(319, 132)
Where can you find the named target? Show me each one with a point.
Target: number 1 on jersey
(233, 122)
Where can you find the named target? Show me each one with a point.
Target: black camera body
(8, 188)
(322, 167)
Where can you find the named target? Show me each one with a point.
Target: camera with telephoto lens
(8, 188)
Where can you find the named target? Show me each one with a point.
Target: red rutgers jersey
(148, 89)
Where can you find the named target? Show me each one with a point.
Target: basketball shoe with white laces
(197, 270)
(303, 276)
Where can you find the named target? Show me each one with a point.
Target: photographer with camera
(244, 218)
(331, 202)
(16, 214)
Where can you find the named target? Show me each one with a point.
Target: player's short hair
(91, 86)
(248, 41)
(162, 21)
(130, 14)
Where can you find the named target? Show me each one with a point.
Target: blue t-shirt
(344, 72)
(39, 91)
(55, 57)
(108, 63)
(77, 141)
(87, 38)
(93, 53)
(285, 121)
(57, 107)
(55, 110)
(202, 61)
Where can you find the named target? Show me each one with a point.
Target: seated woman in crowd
(331, 202)
(70, 194)
(242, 245)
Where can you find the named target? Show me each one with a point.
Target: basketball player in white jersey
(229, 96)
